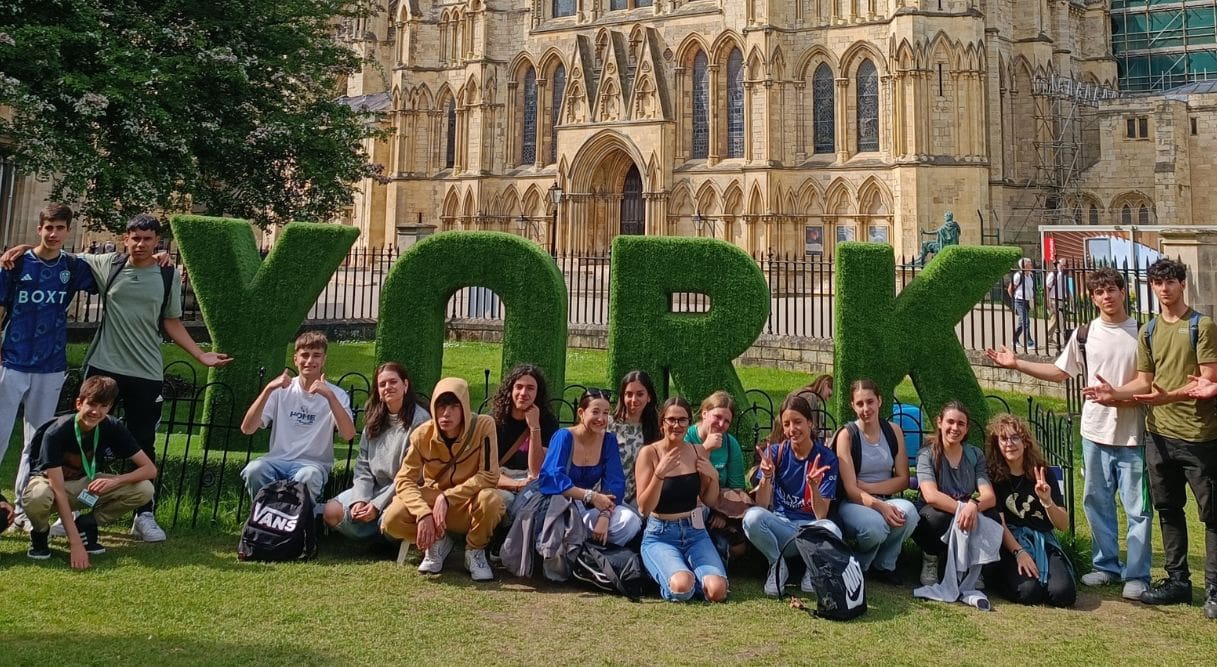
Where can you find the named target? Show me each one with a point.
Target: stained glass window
(868, 107)
(701, 106)
(555, 111)
(450, 148)
(528, 150)
(823, 110)
(735, 104)
(564, 7)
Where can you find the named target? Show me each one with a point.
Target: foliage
(695, 349)
(228, 105)
(414, 300)
(884, 337)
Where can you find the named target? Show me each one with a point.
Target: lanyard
(89, 467)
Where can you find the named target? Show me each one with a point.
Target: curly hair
(501, 405)
(999, 468)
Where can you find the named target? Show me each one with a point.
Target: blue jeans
(769, 532)
(1110, 471)
(263, 471)
(357, 530)
(1022, 311)
(876, 542)
(670, 547)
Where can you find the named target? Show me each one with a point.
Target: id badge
(87, 499)
(699, 519)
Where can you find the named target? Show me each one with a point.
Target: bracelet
(1019, 551)
(587, 496)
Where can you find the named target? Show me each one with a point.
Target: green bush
(253, 307)
(884, 337)
(415, 297)
(694, 349)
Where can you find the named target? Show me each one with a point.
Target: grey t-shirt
(959, 483)
(876, 465)
(129, 341)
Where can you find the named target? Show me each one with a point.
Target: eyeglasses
(1013, 438)
(597, 393)
(676, 421)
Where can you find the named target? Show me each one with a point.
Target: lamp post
(702, 222)
(555, 198)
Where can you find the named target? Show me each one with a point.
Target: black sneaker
(86, 525)
(39, 547)
(1210, 602)
(889, 577)
(1168, 591)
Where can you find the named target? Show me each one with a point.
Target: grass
(188, 601)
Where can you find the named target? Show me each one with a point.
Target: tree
(226, 105)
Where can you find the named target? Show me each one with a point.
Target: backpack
(281, 526)
(608, 567)
(1193, 329)
(835, 573)
(855, 443)
(167, 274)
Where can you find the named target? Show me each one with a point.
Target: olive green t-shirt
(1174, 360)
(129, 340)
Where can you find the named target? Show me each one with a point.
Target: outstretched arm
(178, 334)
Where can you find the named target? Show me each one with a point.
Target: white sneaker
(434, 556)
(22, 523)
(773, 587)
(57, 529)
(1099, 578)
(1133, 589)
(145, 528)
(806, 584)
(478, 566)
(929, 570)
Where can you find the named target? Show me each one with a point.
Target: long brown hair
(376, 411)
(999, 468)
(936, 439)
(649, 419)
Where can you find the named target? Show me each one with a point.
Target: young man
(1056, 298)
(1112, 452)
(64, 459)
(36, 293)
(305, 412)
(1182, 449)
(447, 482)
(1022, 294)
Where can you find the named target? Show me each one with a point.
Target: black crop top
(678, 494)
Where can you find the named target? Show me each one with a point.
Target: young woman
(712, 432)
(391, 415)
(952, 480)
(1033, 568)
(524, 425)
(795, 485)
(635, 423)
(584, 458)
(875, 518)
(672, 475)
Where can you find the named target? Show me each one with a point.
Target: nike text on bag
(281, 526)
(610, 568)
(835, 573)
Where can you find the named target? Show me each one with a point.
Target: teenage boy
(36, 293)
(447, 483)
(1182, 449)
(304, 412)
(64, 459)
(1022, 294)
(1112, 435)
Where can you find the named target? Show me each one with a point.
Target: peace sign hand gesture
(1042, 490)
(766, 465)
(816, 472)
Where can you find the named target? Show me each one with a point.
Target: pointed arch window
(868, 107)
(528, 145)
(450, 146)
(555, 110)
(1126, 215)
(701, 100)
(735, 104)
(564, 7)
(1094, 215)
(823, 110)
(1143, 215)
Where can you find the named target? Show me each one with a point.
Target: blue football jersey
(36, 338)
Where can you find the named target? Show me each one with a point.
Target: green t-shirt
(1174, 360)
(728, 460)
(129, 340)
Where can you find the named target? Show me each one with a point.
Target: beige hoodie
(459, 472)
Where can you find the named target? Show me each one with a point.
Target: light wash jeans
(263, 471)
(669, 547)
(876, 542)
(357, 530)
(1111, 471)
(770, 532)
(39, 392)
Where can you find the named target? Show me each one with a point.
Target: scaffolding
(1160, 45)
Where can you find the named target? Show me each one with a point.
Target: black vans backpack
(835, 573)
(281, 526)
(608, 567)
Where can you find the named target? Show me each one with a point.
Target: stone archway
(607, 194)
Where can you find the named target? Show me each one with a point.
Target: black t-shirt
(511, 428)
(1017, 501)
(54, 446)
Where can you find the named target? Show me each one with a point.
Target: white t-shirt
(1024, 287)
(1111, 351)
(1054, 286)
(303, 424)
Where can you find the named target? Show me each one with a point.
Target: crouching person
(65, 455)
(447, 484)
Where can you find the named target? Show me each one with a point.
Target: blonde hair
(312, 340)
(719, 399)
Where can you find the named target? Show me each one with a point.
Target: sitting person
(65, 456)
(447, 483)
(1033, 567)
(635, 422)
(672, 476)
(874, 471)
(524, 426)
(305, 412)
(951, 479)
(391, 415)
(584, 458)
(795, 484)
(712, 432)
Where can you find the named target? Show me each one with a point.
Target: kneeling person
(64, 457)
(447, 482)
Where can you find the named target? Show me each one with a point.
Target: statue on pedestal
(946, 235)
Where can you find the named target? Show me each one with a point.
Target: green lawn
(188, 601)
